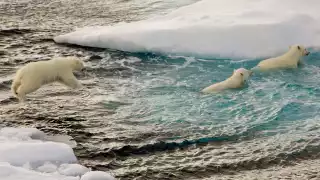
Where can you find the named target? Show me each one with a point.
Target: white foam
(24, 154)
(242, 28)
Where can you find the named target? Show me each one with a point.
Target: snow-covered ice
(47, 167)
(25, 154)
(72, 169)
(97, 175)
(21, 133)
(36, 153)
(9, 172)
(242, 28)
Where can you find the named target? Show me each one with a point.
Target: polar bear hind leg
(24, 89)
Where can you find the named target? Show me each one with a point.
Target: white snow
(73, 169)
(21, 133)
(24, 154)
(97, 175)
(36, 153)
(241, 28)
(9, 172)
(47, 167)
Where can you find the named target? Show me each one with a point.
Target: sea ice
(242, 28)
(97, 175)
(25, 154)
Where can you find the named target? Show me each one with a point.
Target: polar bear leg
(70, 81)
(301, 63)
(24, 89)
(293, 66)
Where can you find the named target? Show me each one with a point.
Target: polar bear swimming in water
(32, 76)
(290, 59)
(237, 80)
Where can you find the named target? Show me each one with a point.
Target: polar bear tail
(15, 86)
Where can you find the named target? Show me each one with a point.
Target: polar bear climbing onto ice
(32, 76)
(237, 80)
(290, 59)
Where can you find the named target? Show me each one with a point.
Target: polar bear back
(279, 62)
(46, 71)
(288, 60)
(235, 81)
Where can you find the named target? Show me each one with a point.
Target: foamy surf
(244, 28)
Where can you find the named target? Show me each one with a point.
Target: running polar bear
(290, 59)
(237, 80)
(32, 76)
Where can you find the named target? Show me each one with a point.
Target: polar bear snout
(306, 52)
(83, 70)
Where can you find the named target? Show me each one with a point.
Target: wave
(209, 28)
(253, 155)
(12, 31)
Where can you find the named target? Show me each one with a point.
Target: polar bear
(237, 80)
(290, 59)
(32, 76)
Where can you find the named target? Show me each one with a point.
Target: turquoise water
(167, 98)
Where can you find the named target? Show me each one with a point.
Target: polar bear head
(301, 49)
(243, 73)
(77, 64)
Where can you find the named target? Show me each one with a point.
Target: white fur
(290, 59)
(237, 80)
(32, 76)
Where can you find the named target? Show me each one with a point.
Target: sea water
(203, 43)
